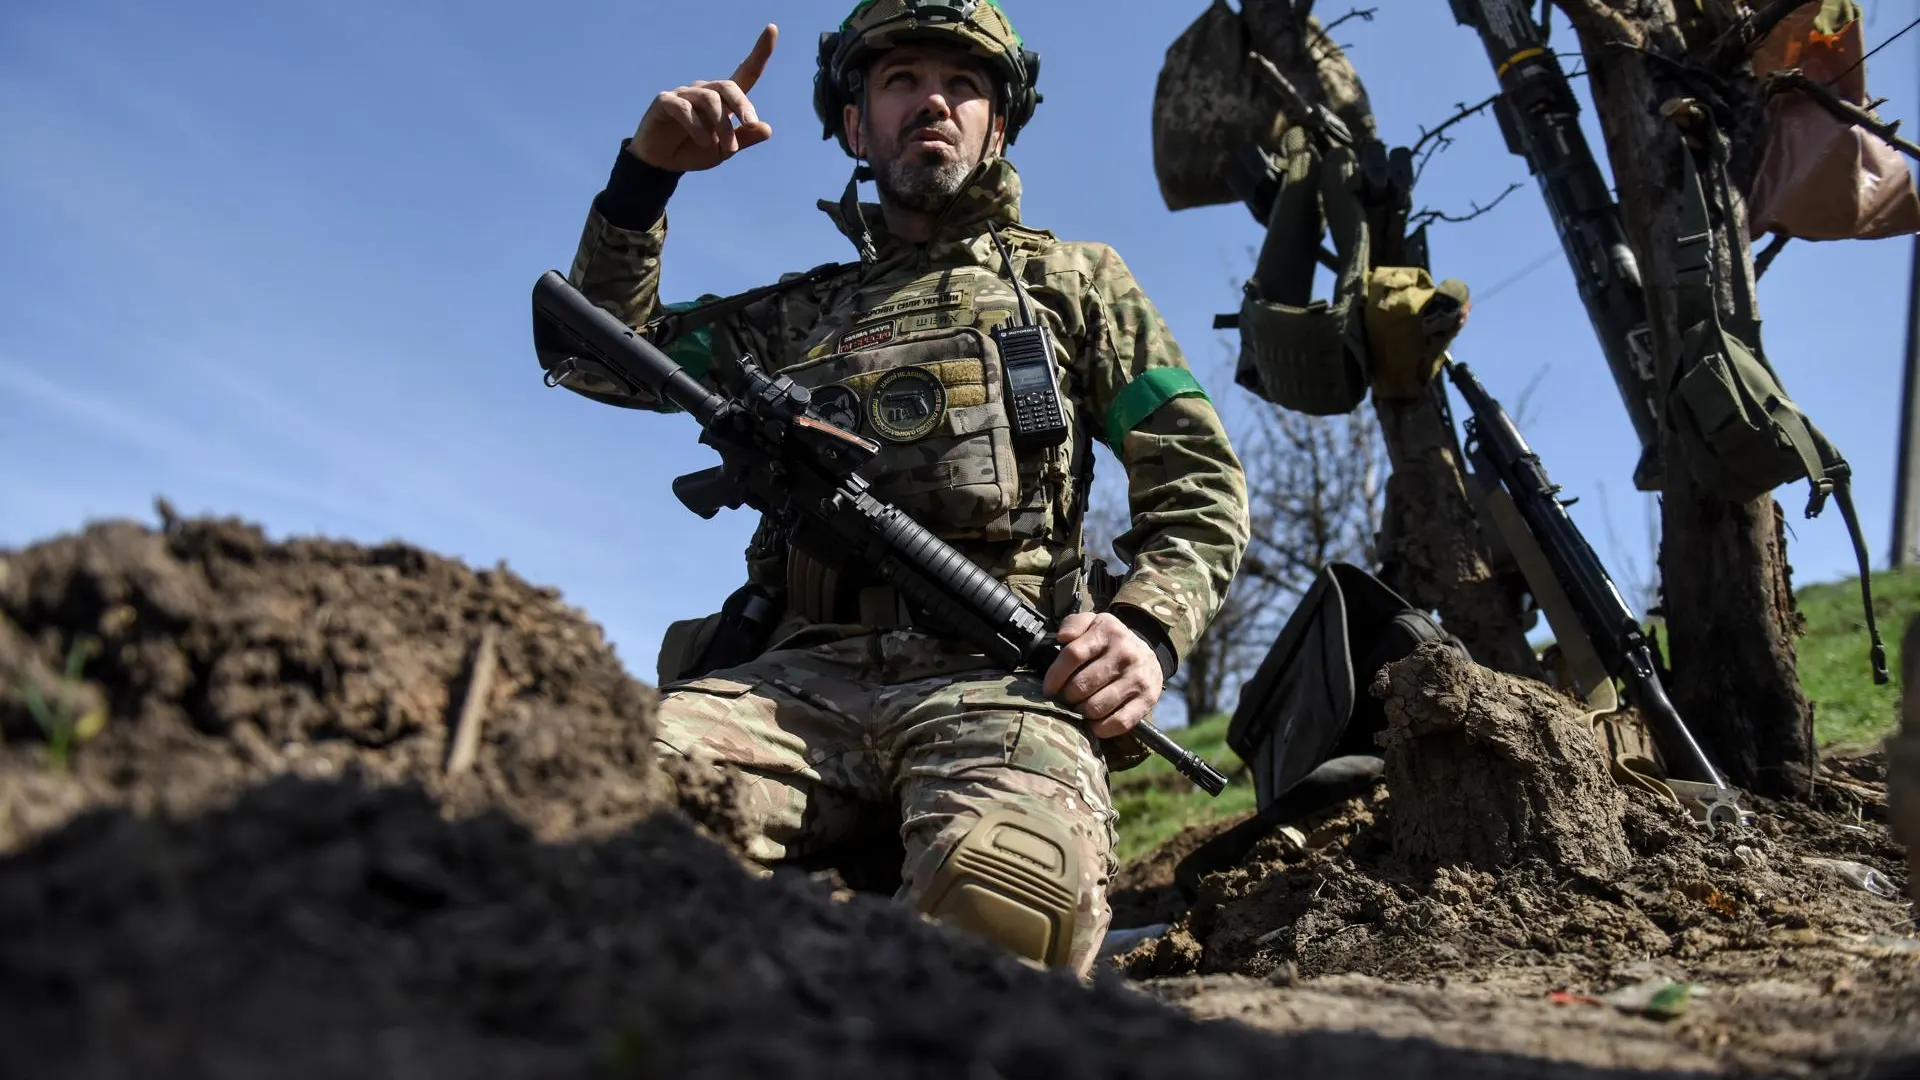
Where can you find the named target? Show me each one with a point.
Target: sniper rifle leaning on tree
(1499, 452)
(781, 459)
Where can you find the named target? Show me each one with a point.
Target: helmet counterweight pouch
(1743, 435)
(1308, 702)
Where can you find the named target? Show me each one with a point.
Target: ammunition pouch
(734, 635)
(1308, 702)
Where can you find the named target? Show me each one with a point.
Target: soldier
(999, 778)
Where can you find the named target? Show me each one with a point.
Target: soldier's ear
(997, 138)
(850, 123)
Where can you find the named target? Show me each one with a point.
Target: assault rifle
(1574, 572)
(779, 458)
(1541, 121)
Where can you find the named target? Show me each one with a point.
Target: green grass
(1155, 802)
(1848, 707)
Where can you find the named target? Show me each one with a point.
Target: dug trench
(263, 851)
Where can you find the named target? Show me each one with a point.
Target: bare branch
(1739, 39)
(1426, 217)
(1464, 112)
(1303, 9)
(1846, 110)
(1363, 14)
(1765, 258)
(1523, 402)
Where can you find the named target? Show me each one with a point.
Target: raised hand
(690, 128)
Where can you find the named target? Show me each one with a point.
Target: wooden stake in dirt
(1903, 760)
(466, 732)
(1488, 769)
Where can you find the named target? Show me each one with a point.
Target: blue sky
(273, 261)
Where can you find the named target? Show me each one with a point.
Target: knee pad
(1013, 878)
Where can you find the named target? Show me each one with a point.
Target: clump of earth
(1785, 945)
(260, 853)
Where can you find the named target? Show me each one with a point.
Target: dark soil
(222, 658)
(326, 928)
(1730, 911)
(258, 866)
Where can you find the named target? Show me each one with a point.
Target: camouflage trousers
(819, 734)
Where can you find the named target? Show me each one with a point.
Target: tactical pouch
(735, 634)
(1743, 436)
(1308, 702)
(1296, 352)
(1410, 322)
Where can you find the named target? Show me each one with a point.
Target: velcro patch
(946, 298)
(838, 405)
(906, 404)
(866, 337)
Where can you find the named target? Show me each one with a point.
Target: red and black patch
(866, 337)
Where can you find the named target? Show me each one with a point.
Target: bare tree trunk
(1725, 582)
(1197, 690)
(1431, 544)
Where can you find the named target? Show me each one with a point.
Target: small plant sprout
(63, 726)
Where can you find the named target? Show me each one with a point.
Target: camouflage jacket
(848, 334)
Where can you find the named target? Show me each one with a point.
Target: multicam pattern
(1186, 490)
(819, 733)
(837, 716)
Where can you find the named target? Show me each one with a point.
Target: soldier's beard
(920, 187)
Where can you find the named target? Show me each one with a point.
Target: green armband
(693, 351)
(1143, 397)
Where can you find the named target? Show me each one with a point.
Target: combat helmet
(874, 26)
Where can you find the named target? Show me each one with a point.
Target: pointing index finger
(755, 64)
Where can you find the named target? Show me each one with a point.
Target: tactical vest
(910, 363)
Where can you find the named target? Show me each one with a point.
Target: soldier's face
(928, 121)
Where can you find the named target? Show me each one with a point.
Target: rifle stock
(782, 461)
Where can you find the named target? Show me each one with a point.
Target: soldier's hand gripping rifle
(1540, 118)
(1496, 448)
(780, 459)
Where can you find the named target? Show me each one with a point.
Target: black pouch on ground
(1308, 705)
(1308, 700)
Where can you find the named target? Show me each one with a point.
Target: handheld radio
(1032, 378)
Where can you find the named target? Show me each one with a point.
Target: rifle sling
(664, 329)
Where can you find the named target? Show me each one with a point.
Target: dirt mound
(1338, 900)
(1772, 922)
(328, 928)
(217, 658)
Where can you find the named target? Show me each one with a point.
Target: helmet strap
(852, 217)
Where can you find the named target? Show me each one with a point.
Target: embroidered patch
(906, 404)
(934, 320)
(961, 297)
(838, 405)
(865, 337)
